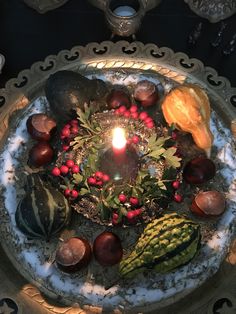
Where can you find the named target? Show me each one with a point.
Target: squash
(188, 107)
(43, 211)
(165, 244)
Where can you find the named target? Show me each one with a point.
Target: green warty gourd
(165, 244)
(43, 211)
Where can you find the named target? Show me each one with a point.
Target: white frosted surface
(186, 278)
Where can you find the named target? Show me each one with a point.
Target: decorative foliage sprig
(124, 200)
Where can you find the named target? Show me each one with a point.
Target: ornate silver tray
(119, 60)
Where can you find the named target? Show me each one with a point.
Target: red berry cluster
(133, 113)
(132, 214)
(71, 193)
(98, 179)
(177, 197)
(134, 203)
(115, 219)
(68, 132)
(68, 168)
(135, 139)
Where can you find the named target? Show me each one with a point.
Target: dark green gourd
(68, 90)
(43, 211)
(166, 243)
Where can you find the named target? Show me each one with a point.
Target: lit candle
(124, 11)
(119, 141)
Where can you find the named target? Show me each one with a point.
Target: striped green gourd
(166, 243)
(43, 211)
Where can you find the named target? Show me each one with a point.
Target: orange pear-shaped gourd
(187, 106)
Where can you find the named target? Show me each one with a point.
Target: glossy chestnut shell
(208, 203)
(199, 170)
(107, 249)
(40, 154)
(117, 98)
(73, 254)
(146, 93)
(41, 127)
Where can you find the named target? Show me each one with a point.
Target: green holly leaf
(172, 161)
(161, 185)
(84, 191)
(105, 212)
(116, 201)
(156, 153)
(152, 140)
(78, 178)
(155, 143)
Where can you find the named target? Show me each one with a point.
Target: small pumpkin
(187, 106)
(43, 211)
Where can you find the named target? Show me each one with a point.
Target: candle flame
(119, 140)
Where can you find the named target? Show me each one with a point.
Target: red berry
(117, 112)
(127, 114)
(137, 212)
(98, 175)
(62, 137)
(135, 139)
(91, 181)
(74, 193)
(65, 147)
(105, 178)
(67, 192)
(66, 126)
(134, 115)
(134, 201)
(74, 122)
(129, 141)
(65, 132)
(130, 215)
(150, 125)
(143, 115)
(176, 184)
(114, 222)
(74, 130)
(75, 169)
(133, 108)
(70, 163)
(147, 120)
(64, 169)
(122, 198)
(99, 183)
(122, 109)
(178, 198)
(56, 171)
(115, 216)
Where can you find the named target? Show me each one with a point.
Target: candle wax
(121, 167)
(124, 11)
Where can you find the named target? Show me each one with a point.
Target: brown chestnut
(107, 249)
(146, 93)
(117, 98)
(73, 254)
(40, 154)
(199, 170)
(208, 203)
(40, 126)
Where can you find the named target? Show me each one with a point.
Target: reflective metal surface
(213, 10)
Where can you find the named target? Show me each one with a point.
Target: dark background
(27, 36)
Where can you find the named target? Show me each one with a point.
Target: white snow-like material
(73, 288)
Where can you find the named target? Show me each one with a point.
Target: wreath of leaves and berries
(86, 137)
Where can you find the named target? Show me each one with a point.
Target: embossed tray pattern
(93, 59)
